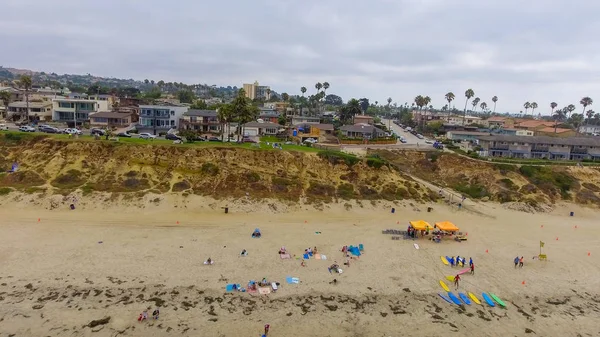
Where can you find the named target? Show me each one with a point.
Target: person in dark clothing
(516, 261)
(472, 269)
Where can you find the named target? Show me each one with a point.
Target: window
(172, 123)
(66, 105)
(172, 113)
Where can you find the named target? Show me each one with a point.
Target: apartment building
(201, 121)
(160, 118)
(467, 120)
(77, 108)
(256, 91)
(590, 129)
(541, 147)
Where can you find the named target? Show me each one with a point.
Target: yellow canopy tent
(446, 226)
(420, 225)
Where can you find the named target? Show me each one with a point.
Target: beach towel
(292, 280)
(310, 254)
(354, 251)
(229, 287)
(264, 291)
(211, 262)
(285, 256)
(317, 256)
(306, 257)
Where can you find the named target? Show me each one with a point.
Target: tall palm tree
(303, 91)
(559, 115)
(534, 106)
(475, 102)
(285, 96)
(325, 87)
(527, 105)
(570, 108)
(5, 96)
(318, 86)
(225, 116)
(585, 102)
(483, 106)
(589, 114)
(25, 83)
(553, 105)
(468, 94)
(268, 93)
(495, 99)
(449, 97)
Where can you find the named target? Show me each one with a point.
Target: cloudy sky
(535, 50)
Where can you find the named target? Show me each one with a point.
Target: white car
(310, 140)
(146, 135)
(72, 131)
(27, 128)
(3, 127)
(428, 141)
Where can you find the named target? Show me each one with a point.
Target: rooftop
(110, 114)
(201, 113)
(470, 133)
(360, 128)
(588, 141)
(20, 104)
(261, 125)
(553, 130)
(535, 124)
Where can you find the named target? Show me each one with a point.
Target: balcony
(499, 147)
(539, 149)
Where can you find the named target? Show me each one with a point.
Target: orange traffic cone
(556, 238)
(589, 254)
(523, 283)
(542, 226)
(38, 219)
(178, 222)
(486, 251)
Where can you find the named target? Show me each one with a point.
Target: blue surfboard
(445, 298)
(465, 298)
(454, 298)
(488, 300)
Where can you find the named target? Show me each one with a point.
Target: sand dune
(57, 279)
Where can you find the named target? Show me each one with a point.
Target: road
(410, 138)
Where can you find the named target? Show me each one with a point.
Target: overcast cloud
(536, 50)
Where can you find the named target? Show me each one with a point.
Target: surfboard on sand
(454, 298)
(444, 261)
(499, 301)
(445, 298)
(464, 298)
(444, 286)
(488, 300)
(464, 271)
(474, 298)
(450, 278)
(416, 246)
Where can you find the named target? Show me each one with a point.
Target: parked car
(214, 139)
(3, 127)
(27, 128)
(123, 134)
(248, 140)
(310, 140)
(72, 131)
(403, 140)
(146, 135)
(428, 141)
(48, 129)
(99, 132)
(172, 136)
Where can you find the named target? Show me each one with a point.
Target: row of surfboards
(446, 260)
(451, 298)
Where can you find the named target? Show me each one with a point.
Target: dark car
(99, 132)
(171, 136)
(214, 139)
(48, 129)
(123, 134)
(248, 140)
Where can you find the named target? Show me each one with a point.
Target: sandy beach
(92, 272)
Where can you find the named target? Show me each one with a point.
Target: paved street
(410, 138)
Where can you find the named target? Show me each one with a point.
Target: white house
(76, 106)
(260, 129)
(160, 118)
(590, 129)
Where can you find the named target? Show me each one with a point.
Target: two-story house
(76, 109)
(160, 118)
(201, 121)
(38, 110)
(269, 115)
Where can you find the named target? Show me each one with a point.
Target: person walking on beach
(470, 261)
(521, 262)
(155, 313)
(516, 261)
(456, 279)
(267, 327)
(472, 269)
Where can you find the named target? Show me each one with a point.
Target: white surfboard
(416, 246)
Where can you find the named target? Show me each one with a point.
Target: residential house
(15, 94)
(497, 122)
(76, 106)
(466, 120)
(534, 125)
(261, 129)
(362, 119)
(364, 131)
(589, 129)
(269, 115)
(304, 131)
(296, 120)
(456, 127)
(555, 132)
(201, 121)
(41, 109)
(111, 119)
(324, 128)
(513, 132)
(111, 99)
(256, 91)
(280, 107)
(465, 135)
(538, 147)
(133, 110)
(160, 118)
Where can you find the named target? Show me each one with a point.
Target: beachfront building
(160, 118)
(364, 131)
(467, 120)
(497, 122)
(362, 119)
(76, 108)
(261, 129)
(269, 115)
(590, 129)
(201, 121)
(38, 110)
(256, 91)
(541, 147)
(111, 119)
(465, 135)
(297, 120)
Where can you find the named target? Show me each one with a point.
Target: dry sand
(56, 277)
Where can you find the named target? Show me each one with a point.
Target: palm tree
(285, 96)
(475, 102)
(483, 106)
(559, 115)
(5, 96)
(468, 94)
(325, 87)
(449, 97)
(495, 99)
(25, 83)
(585, 102)
(570, 108)
(527, 105)
(303, 91)
(268, 93)
(534, 106)
(589, 114)
(318, 86)
(553, 105)
(225, 116)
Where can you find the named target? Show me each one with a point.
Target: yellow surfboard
(474, 298)
(444, 286)
(450, 278)
(444, 261)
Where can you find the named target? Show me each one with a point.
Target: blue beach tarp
(306, 257)
(354, 250)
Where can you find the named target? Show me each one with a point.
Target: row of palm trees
(315, 99)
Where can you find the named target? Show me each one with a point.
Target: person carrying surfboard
(456, 279)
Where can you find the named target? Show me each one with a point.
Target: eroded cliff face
(62, 167)
(501, 182)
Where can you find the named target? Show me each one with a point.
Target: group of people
(144, 315)
(471, 266)
(518, 262)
